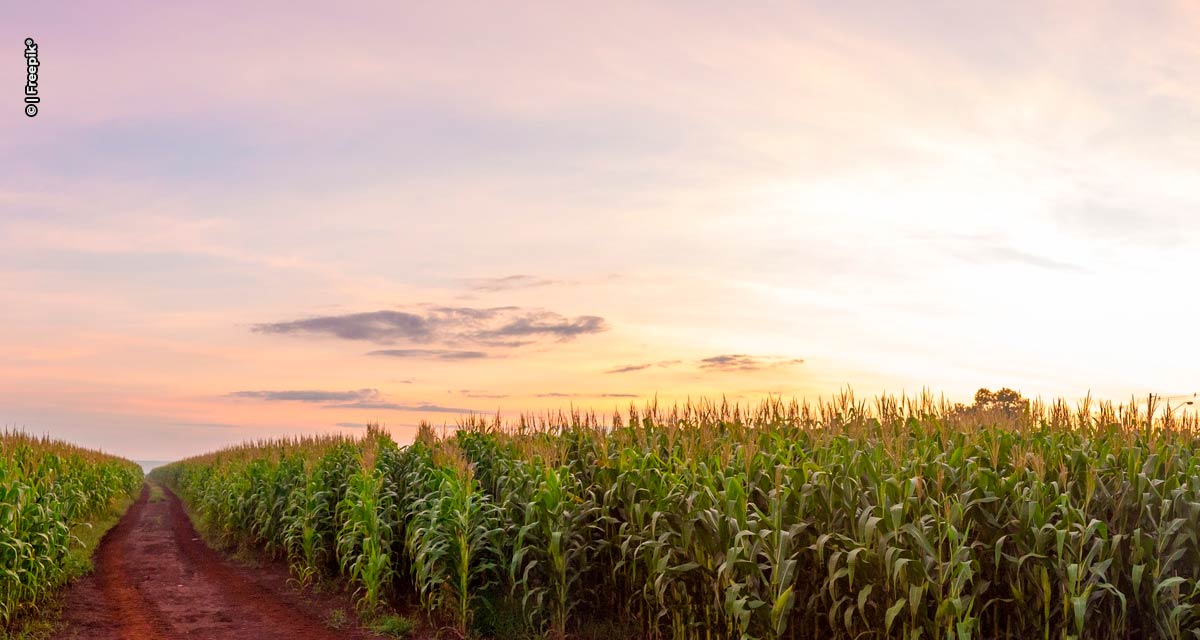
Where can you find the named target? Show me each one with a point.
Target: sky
(232, 222)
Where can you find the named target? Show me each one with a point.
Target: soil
(156, 579)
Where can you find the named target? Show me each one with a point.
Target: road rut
(156, 579)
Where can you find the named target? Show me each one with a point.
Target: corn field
(898, 518)
(47, 488)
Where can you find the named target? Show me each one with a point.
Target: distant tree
(1005, 401)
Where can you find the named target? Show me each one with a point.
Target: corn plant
(902, 518)
(47, 489)
(364, 541)
(453, 542)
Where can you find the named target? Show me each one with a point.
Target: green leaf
(892, 612)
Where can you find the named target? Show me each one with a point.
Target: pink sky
(228, 223)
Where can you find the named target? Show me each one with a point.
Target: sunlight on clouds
(946, 197)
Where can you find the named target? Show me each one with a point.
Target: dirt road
(155, 579)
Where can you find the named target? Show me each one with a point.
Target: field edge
(46, 616)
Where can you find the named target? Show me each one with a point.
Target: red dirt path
(155, 579)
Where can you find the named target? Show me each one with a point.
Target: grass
(337, 619)
(394, 625)
(89, 535)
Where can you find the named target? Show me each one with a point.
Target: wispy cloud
(476, 394)
(545, 324)
(205, 425)
(982, 249)
(354, 399)
(629, 368)
(1012, 254)
(724, 362)
(1136, 222)
(397, 406)
(437, 354)
(507, 283)
(309, 395)
(743, 362)
(587, 395)
(495, 326)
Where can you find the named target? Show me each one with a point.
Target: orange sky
(293, 220)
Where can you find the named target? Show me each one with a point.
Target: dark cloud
(375, 326)
(393, 406)
(510, 282)
(546, 324)
(743, 362)
(496, 326)
(438, 354)
(309, 395)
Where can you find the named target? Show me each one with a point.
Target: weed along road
(156, 579)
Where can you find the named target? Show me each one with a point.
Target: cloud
(438, 354)
(360, 399)
(628, 368)
(206, 425)
(376, 326)
(743, 362)
(510, 282)
(309, 395)
(639, 367)
(990, 248)
(1012, 254)
(1137, 222)
(724, 362)
(495, 326)
(587, 395)
(393, 406)
(472, 394)
(352, 425)
(547, 324)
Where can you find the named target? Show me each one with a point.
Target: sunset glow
(229, 223)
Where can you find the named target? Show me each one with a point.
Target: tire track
(114, 607)
(155, 579)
